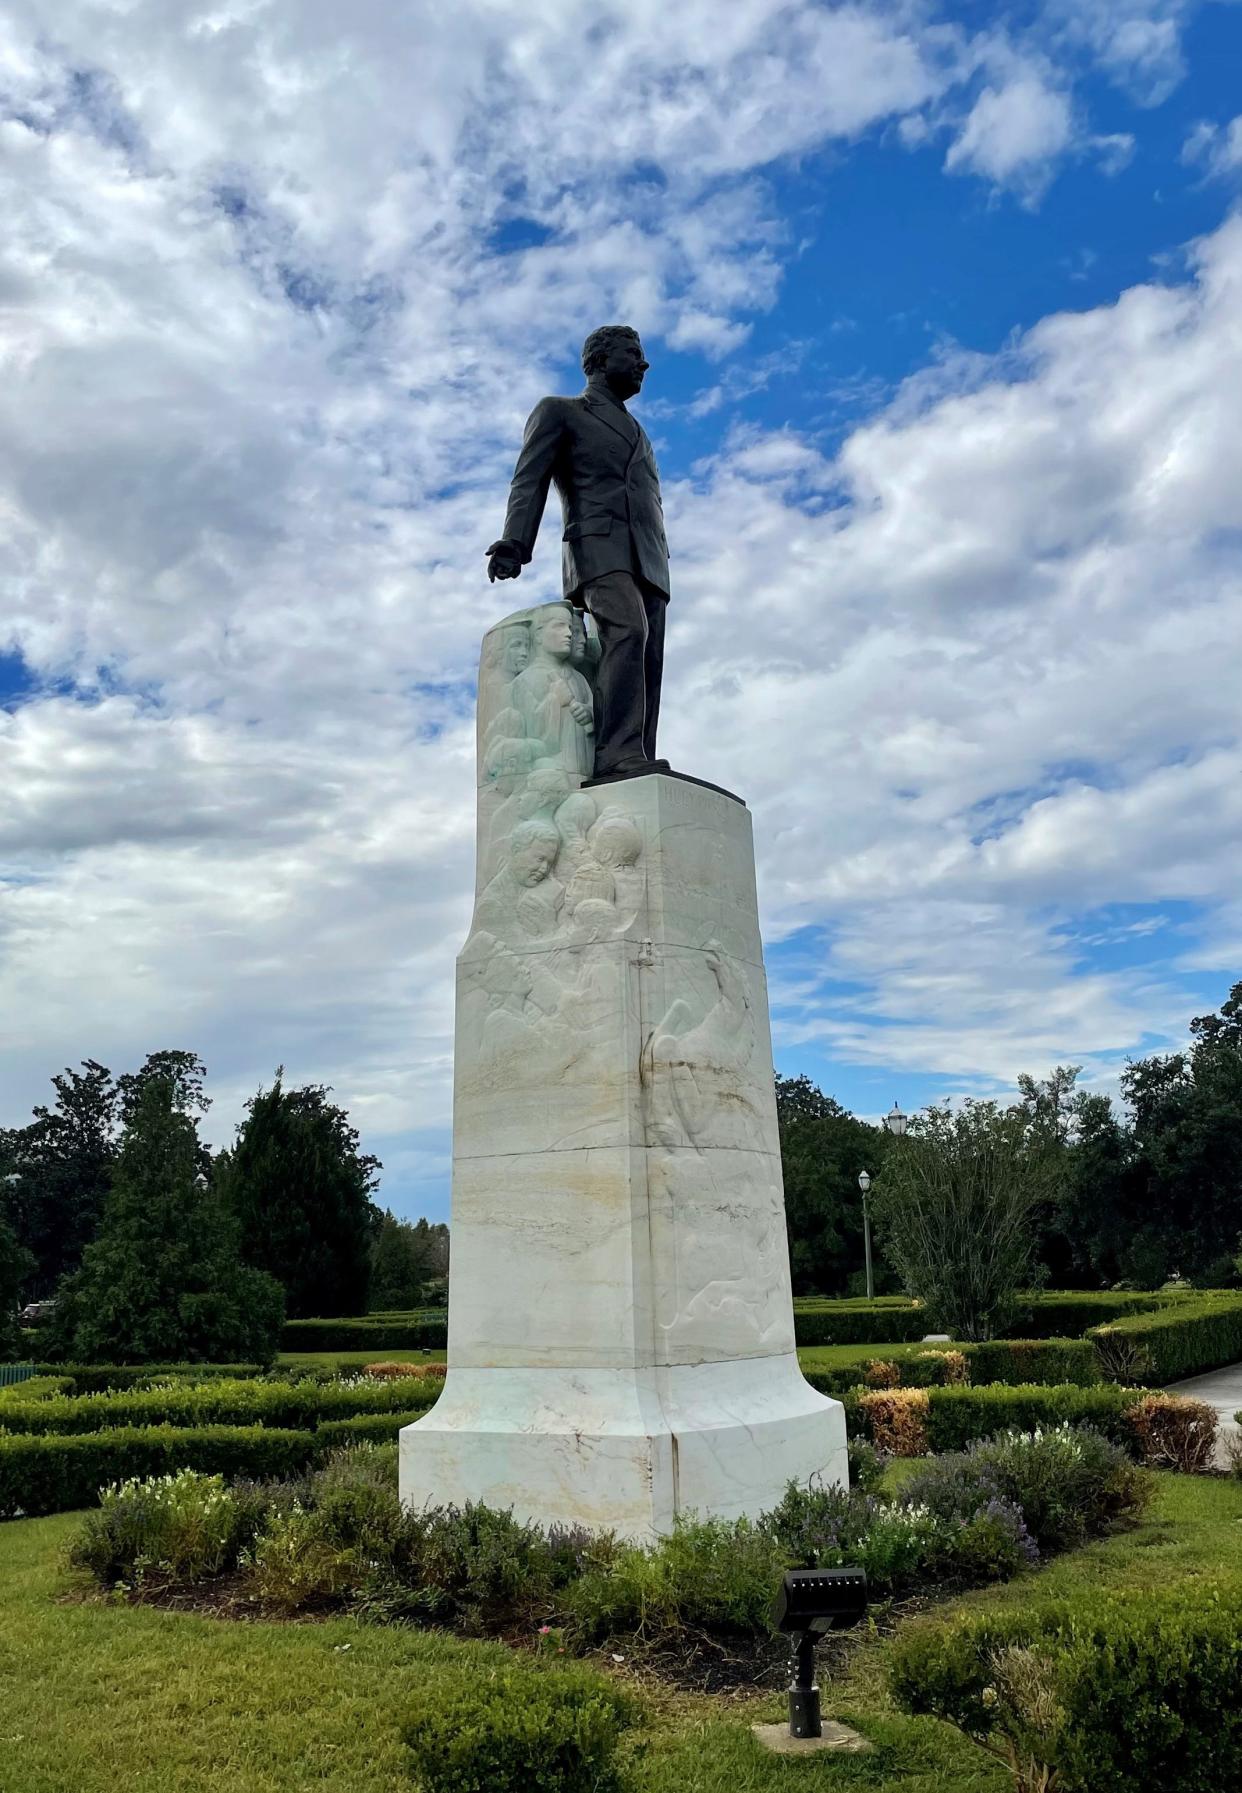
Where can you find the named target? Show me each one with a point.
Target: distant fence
(15, 1372)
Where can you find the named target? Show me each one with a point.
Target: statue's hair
(527, 833)
(595, 348)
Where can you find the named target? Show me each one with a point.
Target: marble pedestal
(621, 1340)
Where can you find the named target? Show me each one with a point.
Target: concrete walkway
(1221, 1389)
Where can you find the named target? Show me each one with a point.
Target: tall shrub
(956, 1205)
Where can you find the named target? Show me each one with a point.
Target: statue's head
(515, 650)
(554, 630)
(546, 788)
(615, 839)
(533, 847)
(508, 757)
(593, 920)
(615, 354)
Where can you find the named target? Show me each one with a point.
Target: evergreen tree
(823, 1148)
(163, 1281)
(301, 1191)
(58, 1170)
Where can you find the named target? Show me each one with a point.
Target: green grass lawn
(98, 1697)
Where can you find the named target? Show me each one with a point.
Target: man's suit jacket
(602, 464)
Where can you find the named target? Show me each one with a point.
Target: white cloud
(1215, 148)
(1136, 43)
(1014, 134)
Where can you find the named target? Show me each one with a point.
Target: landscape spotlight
(810, 1602)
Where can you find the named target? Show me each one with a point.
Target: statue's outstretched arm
(528, 492)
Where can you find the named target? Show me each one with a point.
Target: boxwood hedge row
(99, 1378)
(1197, 1334)
(374, 1332)
(1013, 1361)
(957, 1417)
(55, 1474)
(299, 1405)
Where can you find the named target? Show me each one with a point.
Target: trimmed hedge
(1198, 1333)
(370, 1428)
(957, 1417)
(1017, 1362)
(1069, 1313)
(36, 1388)
(300, 1405)
(860, 1322)
(376, 1333)
(1045, 1314)
(1110, 1694)
(58, 1473)
(100, 1378)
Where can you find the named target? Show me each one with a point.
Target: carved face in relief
(508, 760)
(615, 840)
(546, 789)
(532, 852)
(516, 651)
(556, 632)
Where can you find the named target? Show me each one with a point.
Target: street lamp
(864, 1183)
(896, 1122)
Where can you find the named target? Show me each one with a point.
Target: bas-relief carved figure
(562, 872)
(692, 1062)
(614, 557)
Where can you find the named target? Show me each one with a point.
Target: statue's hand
(582, 714)
(503, 561)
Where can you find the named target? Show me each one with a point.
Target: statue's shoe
(627, 769)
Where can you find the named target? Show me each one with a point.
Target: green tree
(406, 1258)
(163, 1280)
(60, 1166)
(301, 1191)
(823, 1148)
(1187, 1126)
(955, 1205)
(15, 1265)
(184, 1073)
(1101, 1203)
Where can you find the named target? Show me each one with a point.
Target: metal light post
(896, 1122)
(864, 1183)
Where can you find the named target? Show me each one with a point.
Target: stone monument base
(624, 1450)
(621, 1335)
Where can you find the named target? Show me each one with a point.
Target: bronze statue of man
(614, 558)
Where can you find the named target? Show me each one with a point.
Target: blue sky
(941, 303)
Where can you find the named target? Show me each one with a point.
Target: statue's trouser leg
(655, 603)
(630, 621)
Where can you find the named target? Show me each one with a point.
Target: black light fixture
(811, 1602)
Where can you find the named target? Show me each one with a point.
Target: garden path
(1221, 1389)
